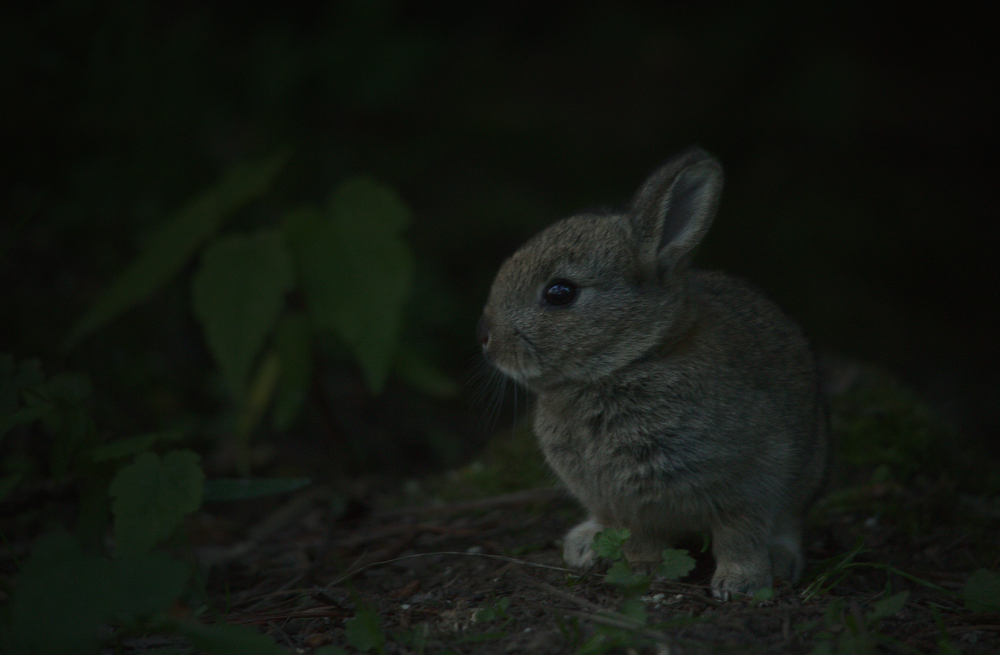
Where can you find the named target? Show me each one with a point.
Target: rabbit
(668, 400)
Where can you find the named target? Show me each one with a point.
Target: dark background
(860, 142)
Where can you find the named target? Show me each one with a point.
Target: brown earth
(486, 576)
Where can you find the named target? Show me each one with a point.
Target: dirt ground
(320, 573)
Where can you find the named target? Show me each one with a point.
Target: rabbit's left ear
(673, 210)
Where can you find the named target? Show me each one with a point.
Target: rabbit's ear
(673, 210)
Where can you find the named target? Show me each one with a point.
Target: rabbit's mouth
(517, 358)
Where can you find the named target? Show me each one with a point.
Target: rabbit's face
(572, 305)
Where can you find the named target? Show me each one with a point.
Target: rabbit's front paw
(578, 547)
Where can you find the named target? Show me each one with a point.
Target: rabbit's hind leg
(742, 561)
(787, 560)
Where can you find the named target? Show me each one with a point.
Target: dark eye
(559, 292)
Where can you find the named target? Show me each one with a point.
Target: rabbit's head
(594, 292)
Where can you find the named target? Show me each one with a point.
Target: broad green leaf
(888, 606)
(356, 270)
(364, 630)
(982, 591)
(243, 488)
(293, 342)
(676, 564)
(635, 609)
(177, 240)
(621, 575)
(133, 445)
(228, 639)
(152, 496)
(62, 597)
(608, 542)
(239, 292)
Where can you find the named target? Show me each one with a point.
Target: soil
(319, 573)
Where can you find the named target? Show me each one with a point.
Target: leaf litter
(486, 576)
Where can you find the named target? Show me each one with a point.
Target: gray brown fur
(668, 400)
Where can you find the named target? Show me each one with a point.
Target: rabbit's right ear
(673, 210)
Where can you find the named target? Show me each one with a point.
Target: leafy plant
(350, 272)
(26, 396)
(61, 584)
(67, 579)
(355, 270)
(629, 627)
(494, 611)
(152, 496)
(178, 240)
(346, 263)
(609, 543)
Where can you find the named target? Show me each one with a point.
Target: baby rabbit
(668, 400)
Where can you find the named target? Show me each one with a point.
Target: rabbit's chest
(597, 455)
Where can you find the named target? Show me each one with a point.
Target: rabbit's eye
(559, 292)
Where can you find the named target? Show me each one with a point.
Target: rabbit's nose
(483, 330)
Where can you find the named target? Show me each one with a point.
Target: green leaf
(239, 292)
(227, 639)
(887, 606)
(222, 489)
(608, 542)
(364, 630)
(151, 497)
(64, 595)
(177, 240)
(356, 270)
(293, 342)
(61, 598)
(676, 564)
(982, 591)
(133, 445)
(634, 609)
(621, 575)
